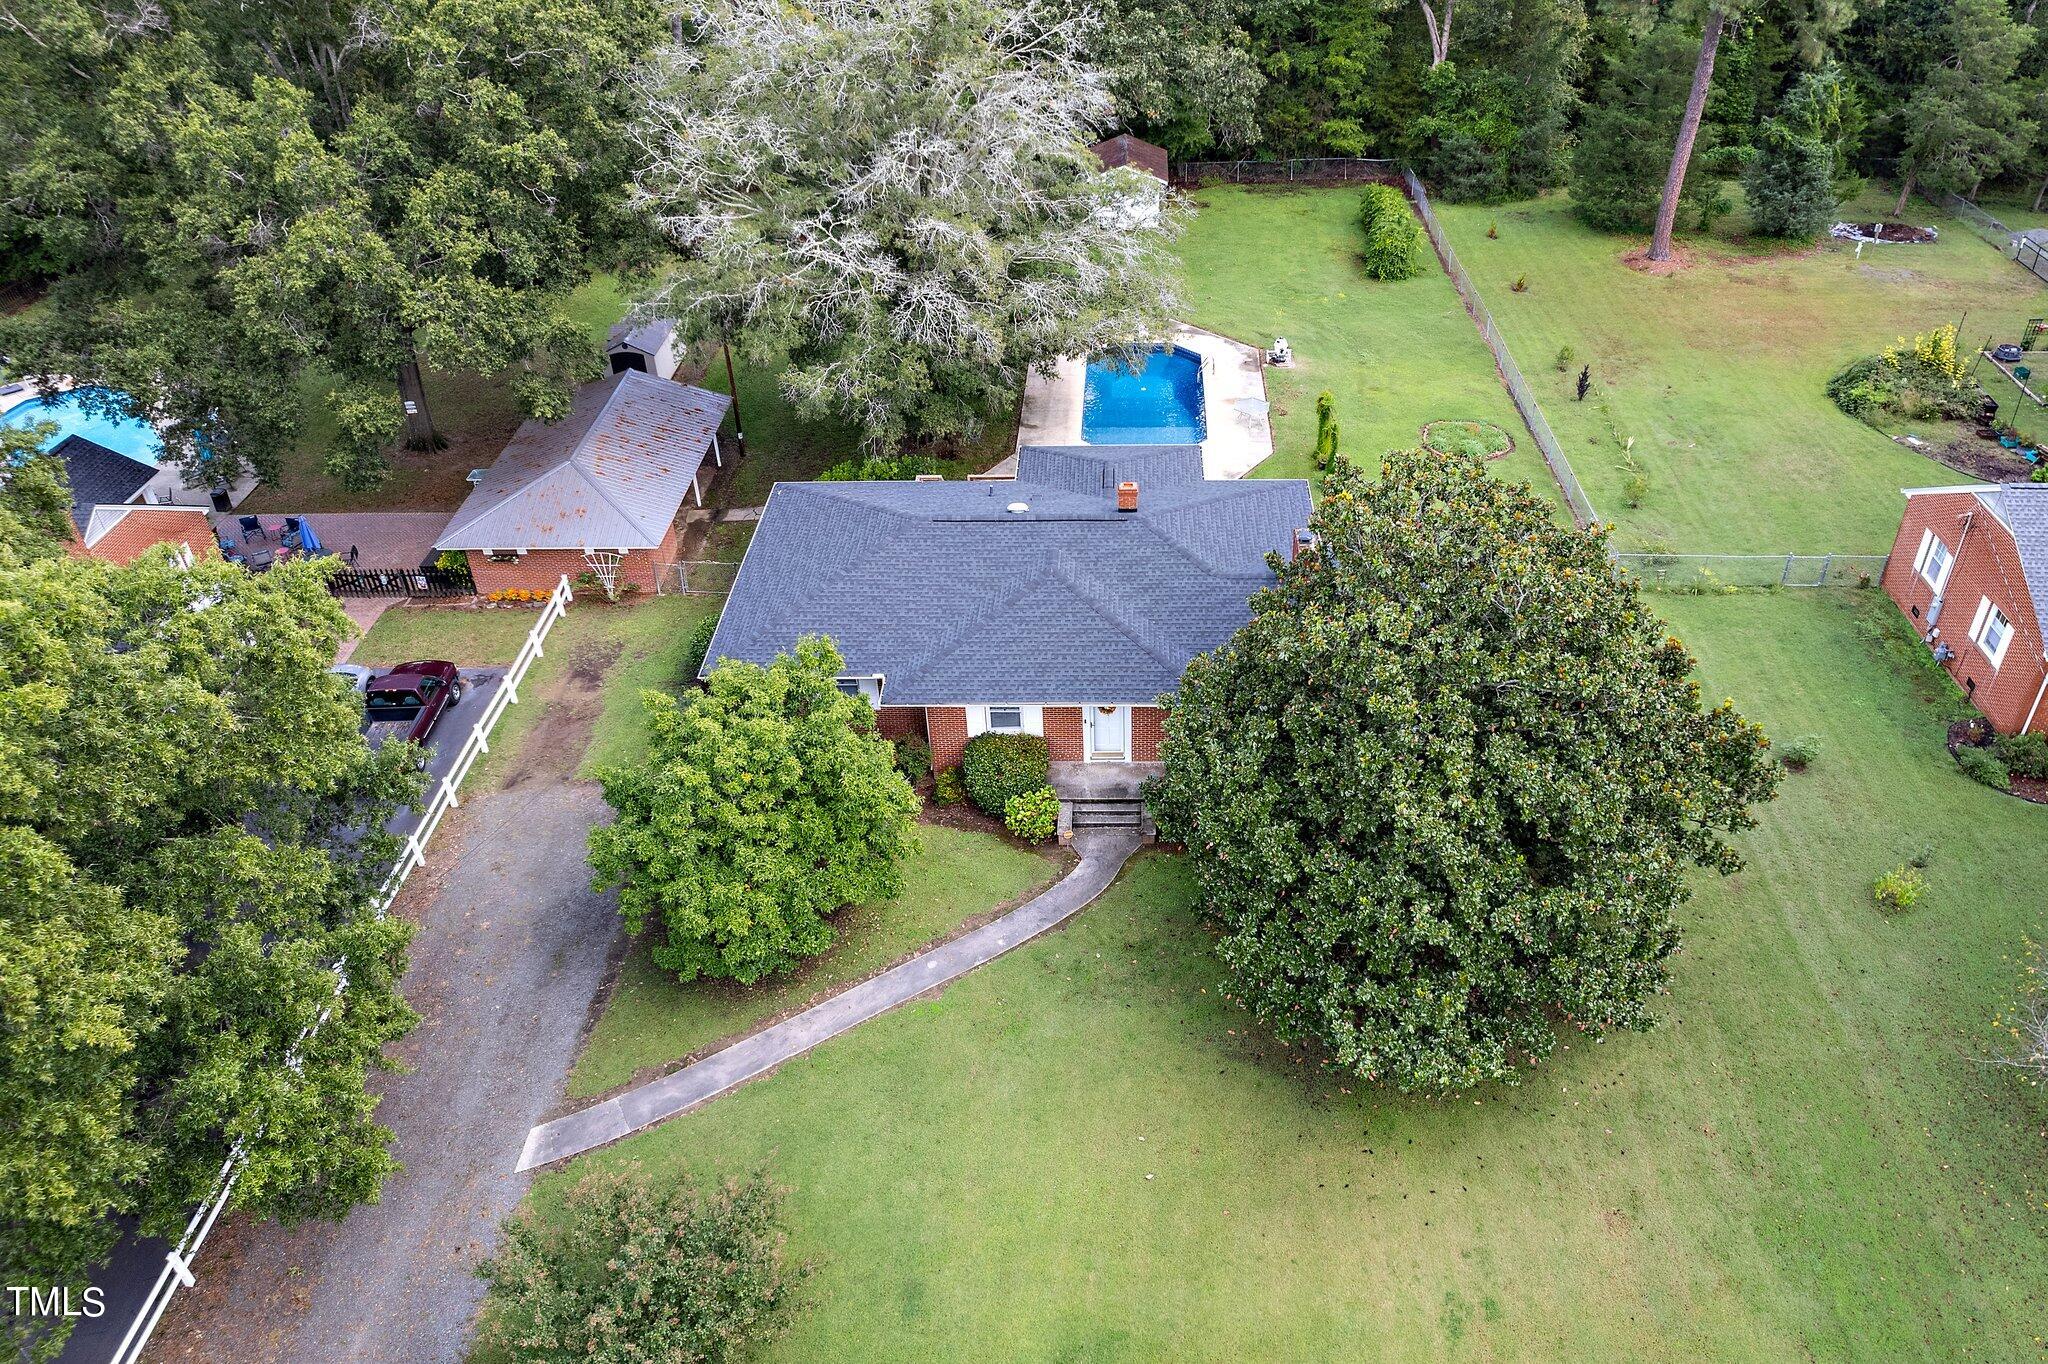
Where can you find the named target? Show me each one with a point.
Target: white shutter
(1920, 556)
(1977, 621)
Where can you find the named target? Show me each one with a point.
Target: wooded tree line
(1501, 98)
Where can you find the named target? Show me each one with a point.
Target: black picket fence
(402, 582)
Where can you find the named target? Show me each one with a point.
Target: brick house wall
(945, 728)
(146, 527)
(902, 722)
(1063, 733)
(1987, 564)
(539, 570)
(1146, 727)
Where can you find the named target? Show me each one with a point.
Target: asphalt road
(129, 1274)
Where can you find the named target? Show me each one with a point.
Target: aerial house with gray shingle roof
(607, 480)
(1061, 603)
(1970, 570)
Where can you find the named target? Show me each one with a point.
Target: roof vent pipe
(1127, 496)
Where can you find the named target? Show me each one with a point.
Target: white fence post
(177, 1270)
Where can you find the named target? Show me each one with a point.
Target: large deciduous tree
(1445, 788)
(1184, 72)
(235, 195)
(765, 803)
(183, 795)
(897, 196)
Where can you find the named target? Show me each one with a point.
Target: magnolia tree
(1446, 788)
(896, 195)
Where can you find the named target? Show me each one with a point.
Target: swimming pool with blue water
(72, 417)
(1157, 402)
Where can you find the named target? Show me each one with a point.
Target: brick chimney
(1127, 496)
(1304, 539)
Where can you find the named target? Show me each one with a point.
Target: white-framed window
(1991, 631)
(1934, 560)
(182, 556)
(869, 689)
(1005, 718)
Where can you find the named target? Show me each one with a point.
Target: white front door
(1109, 734)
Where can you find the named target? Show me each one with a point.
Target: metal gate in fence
(698, 578)
(2028, 253)
(1718, 572)
(401, 582)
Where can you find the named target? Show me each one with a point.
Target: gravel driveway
(511, 949)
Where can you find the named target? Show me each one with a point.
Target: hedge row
(1393, 238)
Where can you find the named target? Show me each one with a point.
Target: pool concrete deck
(1240, 430)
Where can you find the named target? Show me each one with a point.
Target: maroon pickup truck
(405, 702)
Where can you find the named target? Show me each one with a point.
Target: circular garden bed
(1474, 440)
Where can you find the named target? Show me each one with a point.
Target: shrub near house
(766, 803)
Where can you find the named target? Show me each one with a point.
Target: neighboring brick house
(608, 479)
(119, 534)
(1061, 603)
(1970, 568)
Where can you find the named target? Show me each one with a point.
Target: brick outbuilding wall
(539, 570)
(1987, 565)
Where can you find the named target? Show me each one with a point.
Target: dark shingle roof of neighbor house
(2023, 507)
(954, 599)
(98, 475)
(1125, 150)
(610, 475)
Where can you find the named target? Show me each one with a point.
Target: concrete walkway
(1102, 855)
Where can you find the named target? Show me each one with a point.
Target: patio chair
(258, 559)
(252, 529)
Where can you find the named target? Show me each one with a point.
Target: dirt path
(511, 949)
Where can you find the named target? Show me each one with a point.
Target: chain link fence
(1985, 226)
(1725, 572)
(698, 578)
(1342, 169)
(1511, 374)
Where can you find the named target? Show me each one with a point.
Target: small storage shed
(649, 347)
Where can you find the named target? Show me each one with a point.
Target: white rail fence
(177, 1270)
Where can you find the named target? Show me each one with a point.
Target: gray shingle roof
(953, 599)
(98, 475)
(610, 475)
(641, 336)
(2023, 507)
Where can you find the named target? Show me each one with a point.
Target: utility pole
(732, 386)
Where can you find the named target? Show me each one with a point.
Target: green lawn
(1717, 372)
(1084, 1152)
(1267, 262)
(650, 1020)
(783, 446)
(622, 650)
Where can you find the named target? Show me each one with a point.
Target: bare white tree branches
(897, 195)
